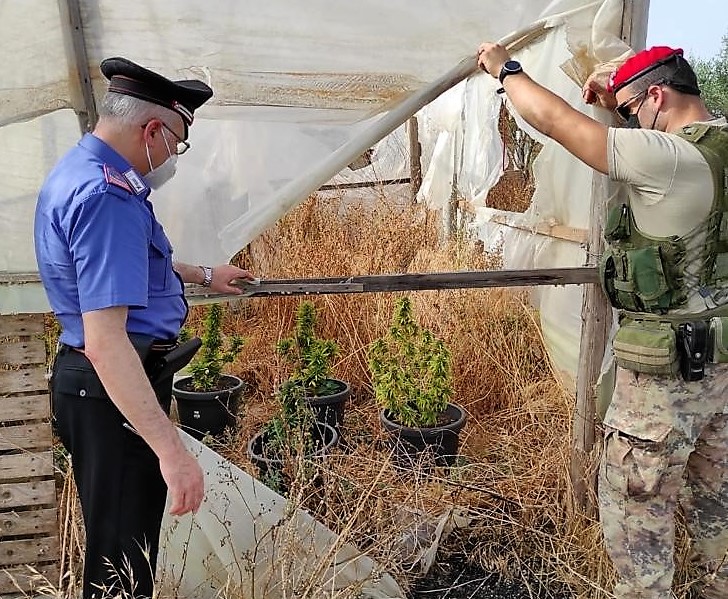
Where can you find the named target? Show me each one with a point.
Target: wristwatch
(207, 270)
(510, 67)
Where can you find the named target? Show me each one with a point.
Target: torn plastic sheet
(248, 541)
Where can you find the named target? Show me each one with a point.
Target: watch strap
(207, 270)
(510, 67)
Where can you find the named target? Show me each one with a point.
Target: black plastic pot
(329, 409)
(207, 412)
(268, 459)
(426, 446)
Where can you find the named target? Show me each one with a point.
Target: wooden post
(79, 73)
(596, 312)
(29, 518)
(415, 157)
(596, 322)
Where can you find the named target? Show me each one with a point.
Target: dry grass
(511, 488)
(512, 484)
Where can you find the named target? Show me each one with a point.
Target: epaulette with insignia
(114, 177)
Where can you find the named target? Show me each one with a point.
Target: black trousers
(119, 483)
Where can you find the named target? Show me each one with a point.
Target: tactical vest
(645, 274)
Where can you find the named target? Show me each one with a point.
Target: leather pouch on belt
(718, 340)
(646, 346)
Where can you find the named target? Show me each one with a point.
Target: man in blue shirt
(107, 268)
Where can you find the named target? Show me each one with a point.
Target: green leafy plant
(411, 371)
(216, 351)
(289, 436)
(309, 356)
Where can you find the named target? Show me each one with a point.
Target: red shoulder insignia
(114, 177)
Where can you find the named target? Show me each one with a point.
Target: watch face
(512, 65)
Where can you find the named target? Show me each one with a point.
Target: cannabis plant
(215, 352)
(309, 356)
(411, 371)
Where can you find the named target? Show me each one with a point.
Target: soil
(226, 382)
(459, 579)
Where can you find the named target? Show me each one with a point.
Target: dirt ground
(458, 579)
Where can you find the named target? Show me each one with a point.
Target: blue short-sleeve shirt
(99, 245)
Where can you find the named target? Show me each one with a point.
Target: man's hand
(225, 274)
(185, 483)
(595, 91)
(492, 57)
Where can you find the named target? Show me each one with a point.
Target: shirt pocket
(160, 263)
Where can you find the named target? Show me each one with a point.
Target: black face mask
(633, 122)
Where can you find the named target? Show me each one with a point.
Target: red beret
(640, 64)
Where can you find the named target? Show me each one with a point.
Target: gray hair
(676, 74)
(128, 111)
(653, 77)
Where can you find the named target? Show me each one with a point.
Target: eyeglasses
(623, 109)
(182, 145)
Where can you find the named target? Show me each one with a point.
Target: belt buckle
(163, 346)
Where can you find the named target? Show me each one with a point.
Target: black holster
(165, 365)
(692, 346)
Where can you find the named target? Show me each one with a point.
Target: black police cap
(183, 97)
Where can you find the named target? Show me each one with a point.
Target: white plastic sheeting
(247, 541)
(468, 145)
(292, 82)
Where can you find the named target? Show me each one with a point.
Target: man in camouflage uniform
(666, 439)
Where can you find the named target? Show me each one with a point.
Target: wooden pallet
(28, 509)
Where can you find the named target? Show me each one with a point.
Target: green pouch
(646, 346)
(645, 266)
(718, 339)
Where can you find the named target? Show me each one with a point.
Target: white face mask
(156, 177)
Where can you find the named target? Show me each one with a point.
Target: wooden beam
(28, 551)
(41, 492)
(22, 578)
(27, 380)
(359, 184)
(22, 352)
(26, 436)
(596, 322)
(29, 522)
(596, 312)
(415, 156)
(80, 76)
(555, 231)
(25, 407)
(21, 325)
(423, 281)
(25, 465)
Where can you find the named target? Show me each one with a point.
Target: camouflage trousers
(666, 445)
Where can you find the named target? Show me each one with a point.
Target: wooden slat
(28, 551)
(26, 436)
(27, 407)
(33, 522)
(546, 229)
(23, 353)
(24, 579)
(421, 281)
(25, 465)
(42, 492)
(21, 325)
(23, 381)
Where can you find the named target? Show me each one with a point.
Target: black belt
(161, 358)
